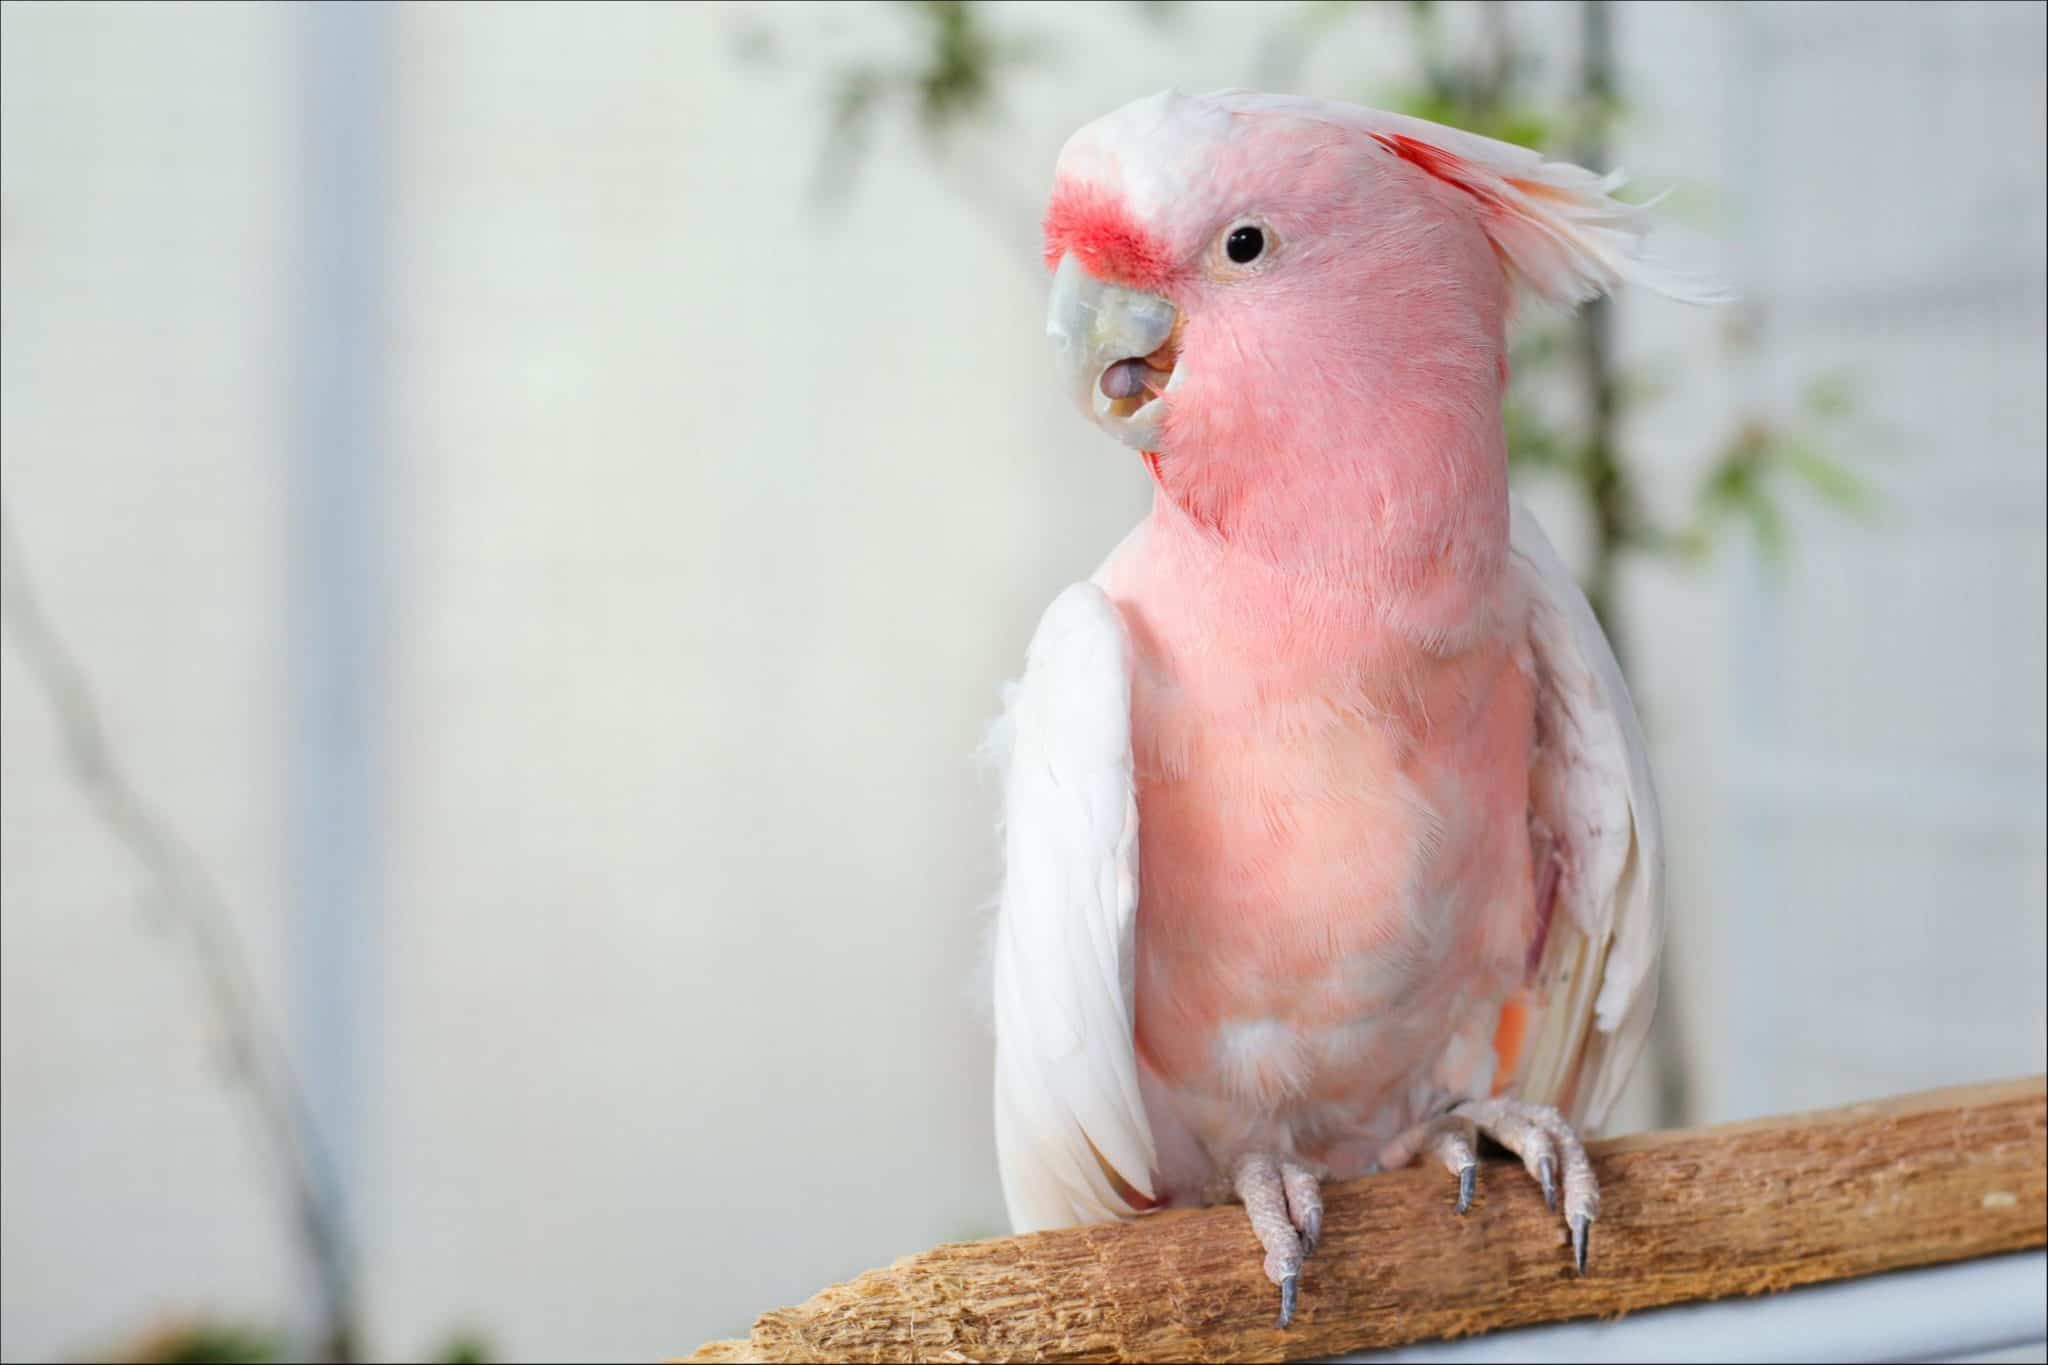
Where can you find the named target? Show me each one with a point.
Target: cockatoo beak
(1117, 348)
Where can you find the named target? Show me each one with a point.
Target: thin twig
(180, 886)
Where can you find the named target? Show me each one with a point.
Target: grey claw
(1546, 1176)
(1582, 1241)
(1312, 1232)
(1468, 1176)
(1288, 1285)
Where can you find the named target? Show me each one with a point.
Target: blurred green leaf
(1830, 395)
(466, 1347)
(1640, 385)
(203, 1341)
(1522, 125)
(1536, 445)
(949, 85)
(1833, 481)
(1158, 13)
(957, 77)
(854, 99)
(1746, 484)
(1768, 524)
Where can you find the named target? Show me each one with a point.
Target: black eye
(1244, 244)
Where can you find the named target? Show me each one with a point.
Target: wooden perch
(1743, 1208)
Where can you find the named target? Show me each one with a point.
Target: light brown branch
(1742, 1208)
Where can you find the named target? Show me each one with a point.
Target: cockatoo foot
(1536, 1133)
(1284, 1199)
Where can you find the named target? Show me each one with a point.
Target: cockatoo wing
(1071, 1131)
(1595, 985)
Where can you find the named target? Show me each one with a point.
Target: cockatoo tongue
(1125, 379)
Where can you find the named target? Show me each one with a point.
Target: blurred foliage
(1489, 85)
(202, 1341)
(952, 83)
(1473, 72)
(465, 1348)
(1745, 483)
(221, 1341)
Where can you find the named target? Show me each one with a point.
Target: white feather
(1066, 1085)
(1591, 784)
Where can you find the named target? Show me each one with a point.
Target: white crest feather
(1558, 226)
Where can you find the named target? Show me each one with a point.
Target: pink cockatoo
(1329, 838)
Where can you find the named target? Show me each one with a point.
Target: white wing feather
(1597, 981)
(1070, 1122)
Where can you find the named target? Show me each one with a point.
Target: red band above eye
(1086, 222)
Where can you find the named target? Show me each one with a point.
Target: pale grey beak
(1101, 334)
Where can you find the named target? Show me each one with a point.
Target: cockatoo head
(1243, 282)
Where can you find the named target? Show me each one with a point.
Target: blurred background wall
(550, 567)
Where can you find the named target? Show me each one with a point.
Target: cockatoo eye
(1241, 250)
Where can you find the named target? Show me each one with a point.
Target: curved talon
(1468, 1177)
(1552, 1154)
(1289, 1284)
(1304, 1202)
(1278, 1191)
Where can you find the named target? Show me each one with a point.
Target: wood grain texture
(1742, 1208)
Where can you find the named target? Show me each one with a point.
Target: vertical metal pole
(1614, 513)
(1746, 976)
(338, 602)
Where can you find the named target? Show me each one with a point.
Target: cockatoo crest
(1557, 228)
